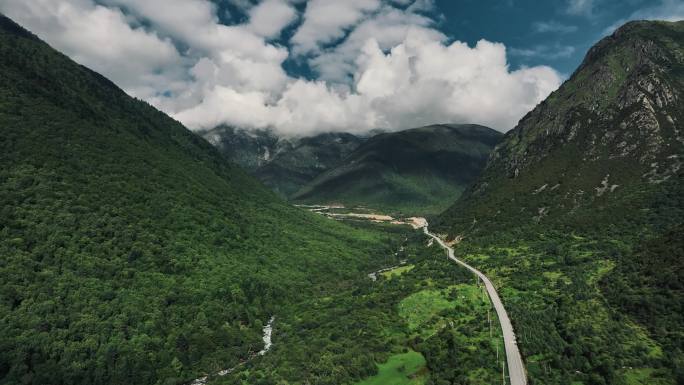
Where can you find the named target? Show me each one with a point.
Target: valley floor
(419, 319)
(406, 322)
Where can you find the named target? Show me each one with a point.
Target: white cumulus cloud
(327, 20)
(419, 81)
(422, 81)
(101, 38)
(388, 27)
(270, 17)
(390, 67)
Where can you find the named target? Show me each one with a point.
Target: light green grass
(644, 376)
(399, 270)
(420, 307)
(400, 369)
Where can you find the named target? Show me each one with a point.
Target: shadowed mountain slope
(415, 171)
(132, 251)
(283, 164)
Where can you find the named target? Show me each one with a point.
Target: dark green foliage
(414, 171)
(308, 157)
(648, 284)
(284, 164)
(551, 285)
(339, 338)
(569, 210)
(131, 251)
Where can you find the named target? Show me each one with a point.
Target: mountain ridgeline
(132, 251)
(579, 214)
(135, 252)
(610, 137)
(283, 164)
(421, 170)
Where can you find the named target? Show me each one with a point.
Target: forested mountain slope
(576, 211)
(131, 251)
(415, 171)
(284, 164)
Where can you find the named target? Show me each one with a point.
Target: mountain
(250, 149)
(305, 159)
(282, 163)
(132, 251)
(608, 137)
(416, 171)
(408, 171)
(576, 211)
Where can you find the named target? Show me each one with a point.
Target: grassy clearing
(400, 369)
(399, 270)
(420, 307)
(644, 376)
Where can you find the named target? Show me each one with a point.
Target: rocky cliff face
(249, 149)
(623, 101)
(283, 163)
(612, 128)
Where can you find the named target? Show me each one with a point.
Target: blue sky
(552, 32)
(301, 67)
(556, 33)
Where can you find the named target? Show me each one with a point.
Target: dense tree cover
(339, 338)
(597, 298)
(576, 213)
(131, 251)
(551, 287)
(648, 284)
(586, 306)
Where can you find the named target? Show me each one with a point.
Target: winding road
(516, 368)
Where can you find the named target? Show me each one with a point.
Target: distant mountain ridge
(285, 164)
(419, 170)
(415, 171)
(249, 149)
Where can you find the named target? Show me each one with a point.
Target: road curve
(516, 368)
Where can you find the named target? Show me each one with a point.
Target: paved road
(516, 369)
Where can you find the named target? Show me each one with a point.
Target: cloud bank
(379, 64)
(668, 10)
